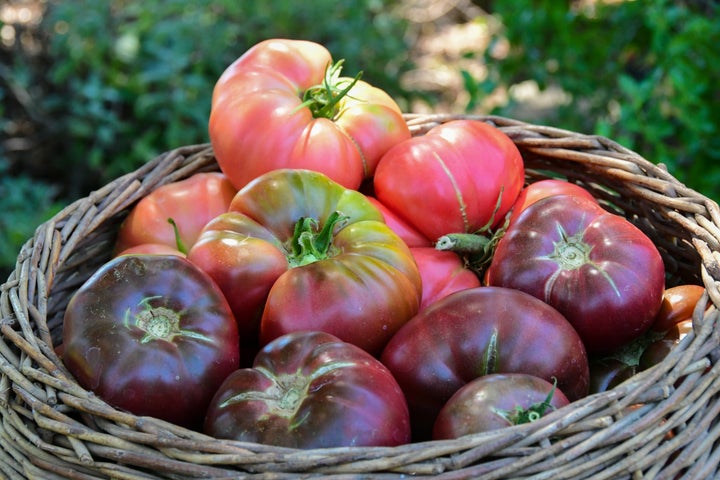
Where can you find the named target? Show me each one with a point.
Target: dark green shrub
(130, 79)
(642, 73)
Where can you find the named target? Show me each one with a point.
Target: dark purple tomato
(598, 269)
(476, 332)
(151, 334)
(311, 390)
(496, 401)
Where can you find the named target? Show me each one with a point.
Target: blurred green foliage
(645, 74)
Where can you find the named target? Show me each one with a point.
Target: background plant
(642, 73)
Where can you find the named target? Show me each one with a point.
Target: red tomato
(152, 249)
(318, 120)
(189, 203)
(599, 270)
(407, 232)
(546, 188)
(311, 390)
(496, 401)
(302, 252)
(442, 273)
(476, 332)
(461, 176)
(151, 334)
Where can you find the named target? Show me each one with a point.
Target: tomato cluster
(339, 282)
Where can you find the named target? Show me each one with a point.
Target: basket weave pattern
(651, 426)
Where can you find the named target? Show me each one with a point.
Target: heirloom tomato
(442, 273)
(175, 213)
(407, 232)
(496, 401)
(670, 325)
(598, 269)
(311, 390)
(546, 188)
(320, 254)
(318, 119)
(151, 334)
(476, 332)
(460, 177)
(678, 305)
(673, 322)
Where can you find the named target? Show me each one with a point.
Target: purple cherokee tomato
(598, 269)
(476, 332)
(151, 334)
(311, 390)
(496, 401)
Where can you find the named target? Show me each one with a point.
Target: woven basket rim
(51, 426)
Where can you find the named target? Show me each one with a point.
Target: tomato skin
(311, 390)
(475, 332)
(190, 203)
(599, 270)
(471, 164)
(116, 344)
(677, 306)
(362, 290)
(479, 405)
(442, 273)
(152, 249)
(608, 373)
(407, 232)
(245, 260)
(263, 90)
(546, 188)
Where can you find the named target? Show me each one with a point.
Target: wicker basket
(53, 428)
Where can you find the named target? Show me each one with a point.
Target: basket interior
(70, 247)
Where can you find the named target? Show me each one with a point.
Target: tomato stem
(323, 99)
(309, 245)
(178, 241)
(463, 243)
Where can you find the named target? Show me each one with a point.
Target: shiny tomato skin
(598, 269)
(311, 390)
(244, 259)
(661, 348)
(442, 273)
(190, 203)
(362, 289)
(152, 249)
(546, 188)
(677, 306)
(263, 91)
(153, 335)
(476, 332)
(407, 232)
(490, 402)
(450, 179)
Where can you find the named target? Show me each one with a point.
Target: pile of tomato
(340, 282)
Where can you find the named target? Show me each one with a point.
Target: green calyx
(534, 412)
(310, 243)
(324, 100)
